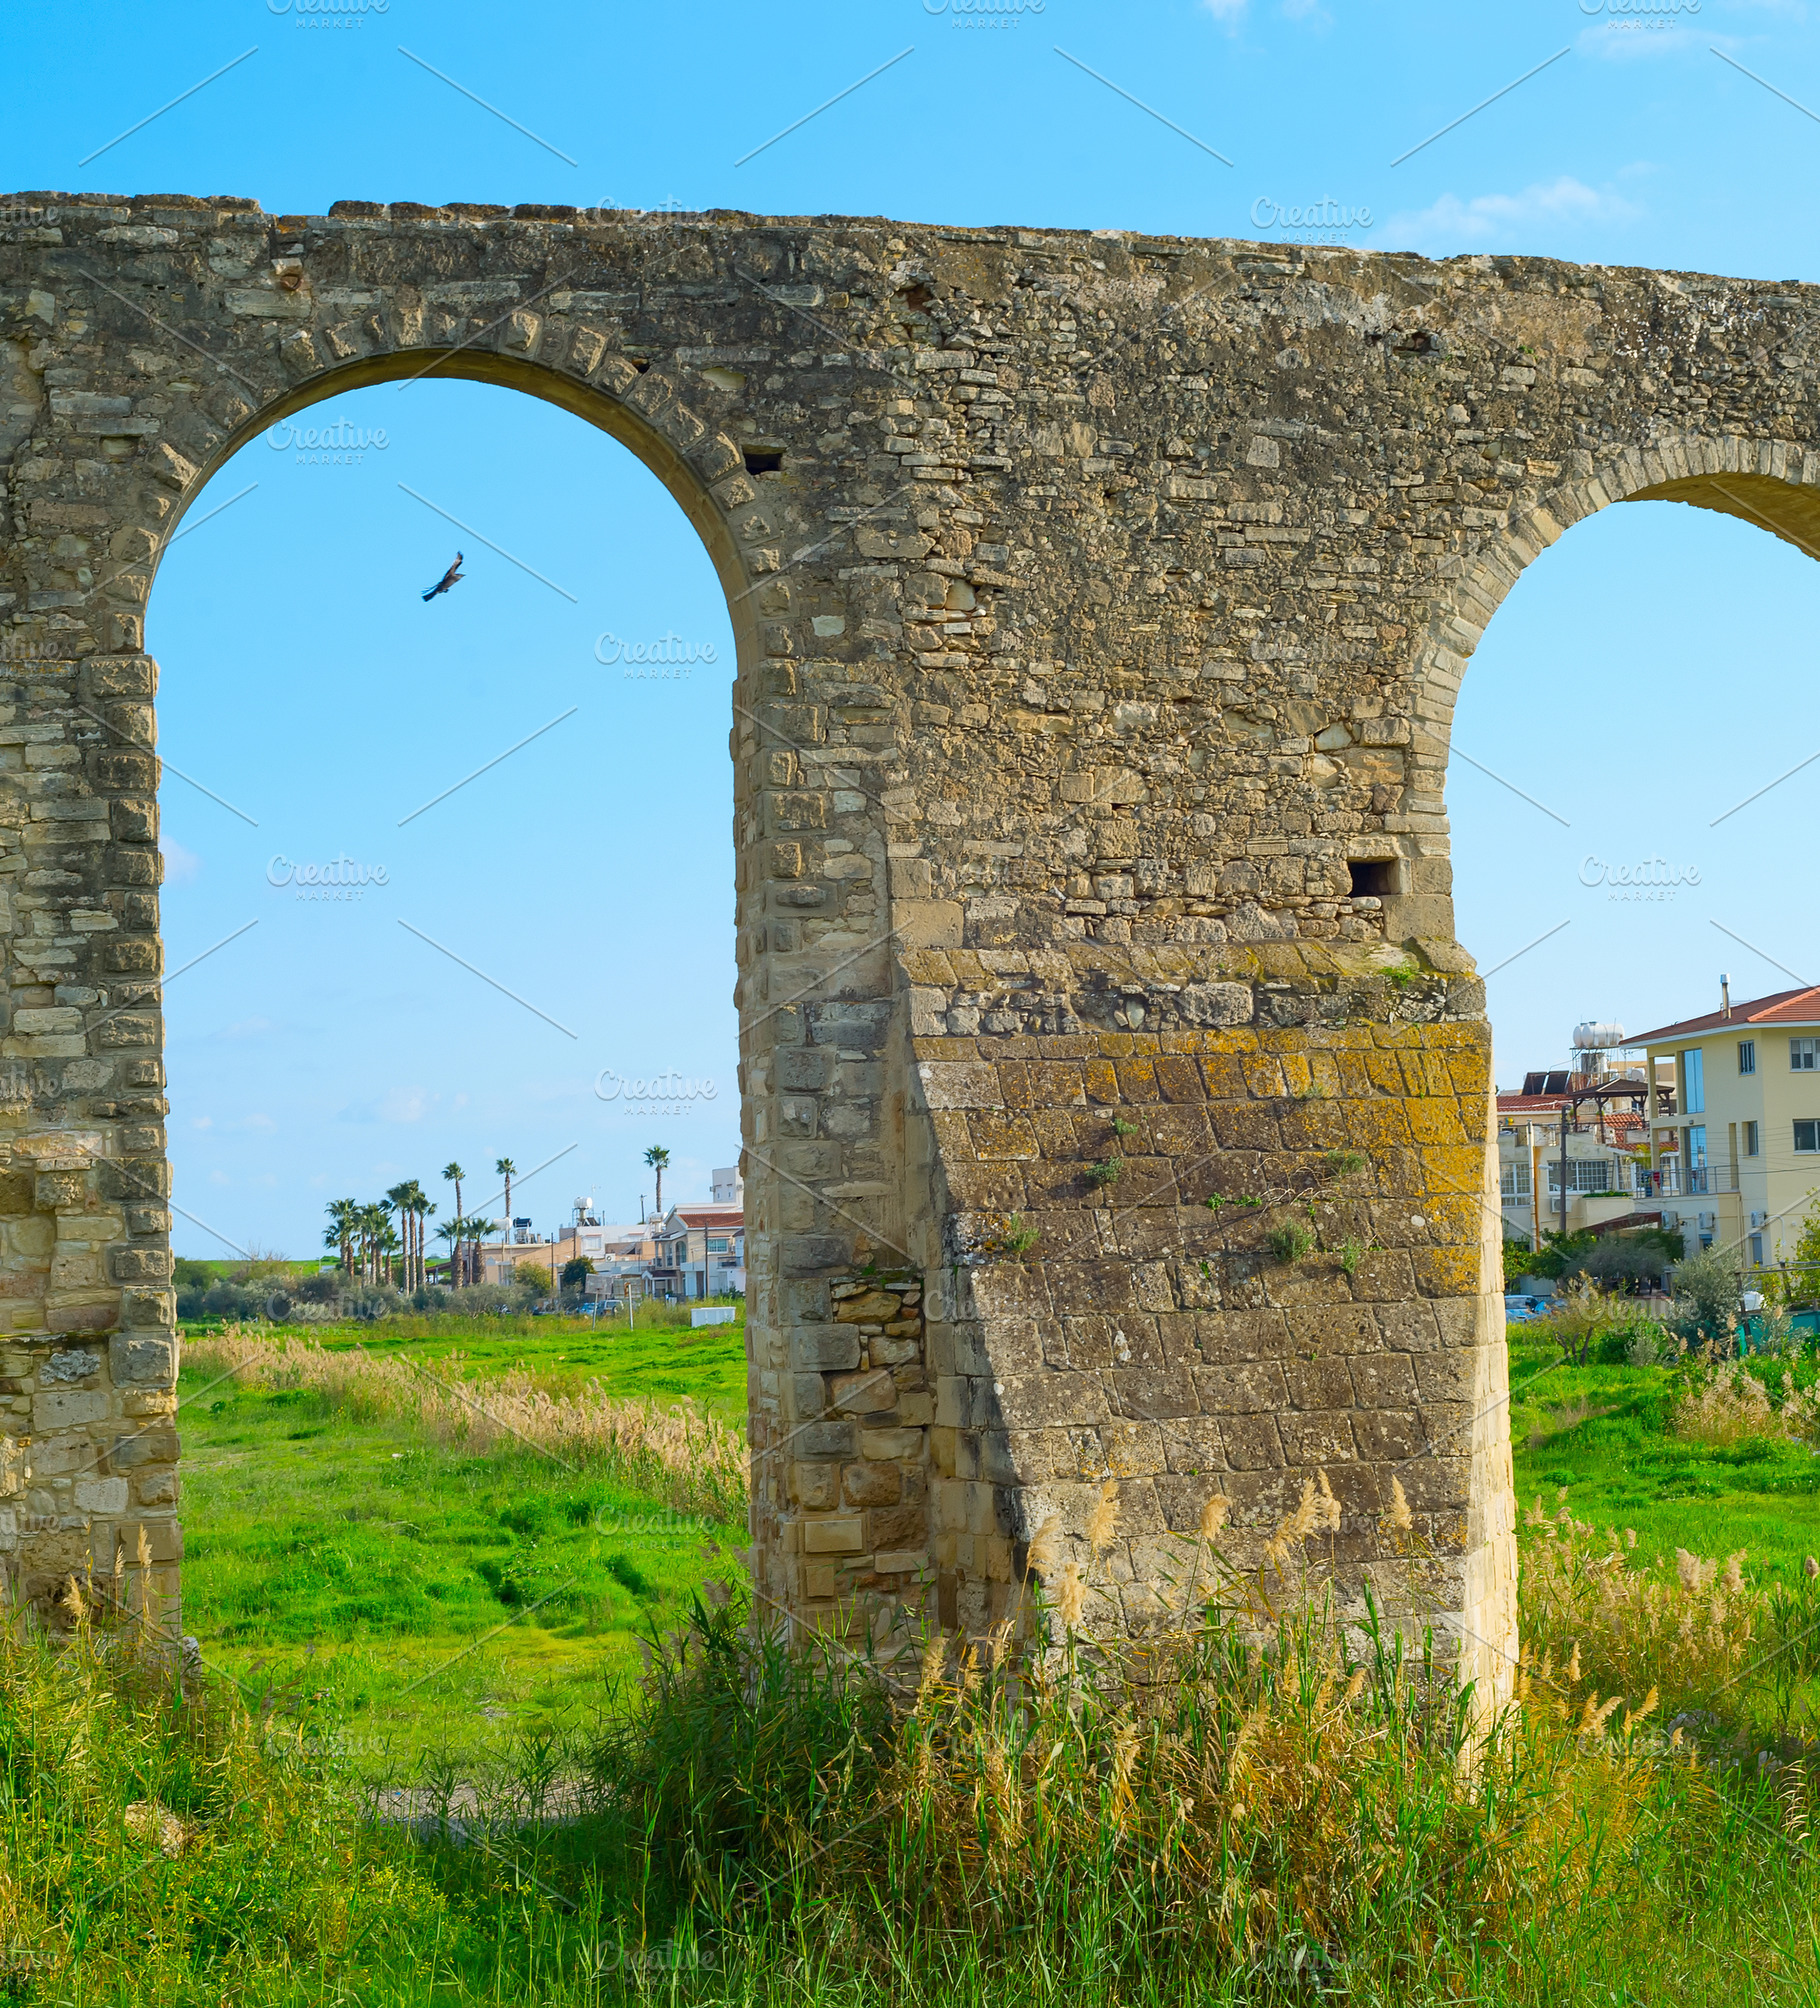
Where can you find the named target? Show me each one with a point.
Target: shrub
(1621, 1262)
(1578, 1321)
(1707, 1290)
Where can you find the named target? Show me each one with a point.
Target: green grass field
(1600, 1432)
(440, 1605)
(421, 1613)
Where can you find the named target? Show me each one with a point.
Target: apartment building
(1735, 1156)
(1607, 1181)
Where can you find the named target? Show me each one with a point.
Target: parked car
(1520, 1308)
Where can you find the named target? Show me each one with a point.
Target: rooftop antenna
(1725, 996)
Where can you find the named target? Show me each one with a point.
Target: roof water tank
(1597, 1037)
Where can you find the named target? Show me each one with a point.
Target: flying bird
(452, 577)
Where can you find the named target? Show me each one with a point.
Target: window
(717, 1244)
(1584, 1174)
(1513, 1180)
(1750, 1140)
(1807, 1136)
(1756, 1250)
(1803, 1055)
(1693, 1083)
(1696, 1146)
(1747, 1056)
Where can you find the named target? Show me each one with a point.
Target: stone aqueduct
(1101, 602)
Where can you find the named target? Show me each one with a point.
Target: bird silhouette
(452, 577)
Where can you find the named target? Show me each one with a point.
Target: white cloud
(257, 1121)
(180, 866)
(202, 1122)
(406, 1105)
(1226, 10)
(1505, 222)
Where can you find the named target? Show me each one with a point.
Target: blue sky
(1651, 670)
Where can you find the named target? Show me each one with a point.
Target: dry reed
(681, 1454)
(1689, 1631)
(1223, 1796)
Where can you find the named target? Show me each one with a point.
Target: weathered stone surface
(1101, 603)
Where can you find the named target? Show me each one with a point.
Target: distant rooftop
(1781, 1007)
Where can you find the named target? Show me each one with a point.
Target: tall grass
(682, 1454)
(1273, 1802)
(1269, 1802)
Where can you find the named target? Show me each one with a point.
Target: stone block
(67, 1409)
(142, 1357)
(833, 1534)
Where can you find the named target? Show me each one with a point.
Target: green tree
(576, 1271)
(344, 1217)
(657, 1158)
(454, 1174)
(1708, 1288)
(399, 1200)
(414, 1206)
(476, 1231)
(505, 1168)
(451, 1232)
(373, 1222)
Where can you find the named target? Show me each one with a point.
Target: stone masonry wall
(1101, 601)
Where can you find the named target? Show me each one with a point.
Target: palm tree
(657, 1157)
(478, 1229)
(388, 1244)
(400, 1198)
(422, 1206)
(505, 1168)
(343, 1218)
(375, 1222)
(452, 1231)
(454, 1174)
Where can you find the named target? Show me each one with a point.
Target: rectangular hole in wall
(758, 462)
(1373, 878)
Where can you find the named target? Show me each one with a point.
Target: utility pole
(1566, 1107)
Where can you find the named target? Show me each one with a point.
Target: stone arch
(168, 390)
(702, 470)
(1772, 484)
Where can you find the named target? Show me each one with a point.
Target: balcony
(1672, 1182)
